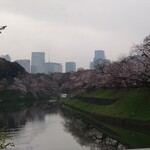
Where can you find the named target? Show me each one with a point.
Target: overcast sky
(70, 30)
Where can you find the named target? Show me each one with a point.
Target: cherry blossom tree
(141, 53)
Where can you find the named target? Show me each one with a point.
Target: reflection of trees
(18, 118)
(16, 122)
(87, 135)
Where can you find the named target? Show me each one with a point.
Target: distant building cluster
(39, 65)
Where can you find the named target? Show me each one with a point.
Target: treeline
(10, 69)
(130, 71)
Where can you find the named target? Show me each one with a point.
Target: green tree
(10, 69)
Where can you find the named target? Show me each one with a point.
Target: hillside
(129, 103)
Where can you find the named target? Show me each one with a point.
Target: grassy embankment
(131, 104)
(129, 137)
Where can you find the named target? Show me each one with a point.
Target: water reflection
(20, 118)
(88, 135)
(103, 136)
(52, 127)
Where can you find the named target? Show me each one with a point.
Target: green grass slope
(131, 103)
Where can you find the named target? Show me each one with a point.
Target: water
(47, 133)
(53, 128)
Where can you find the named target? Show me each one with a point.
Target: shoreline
(127, 108)
(120, 122)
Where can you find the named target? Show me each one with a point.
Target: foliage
(128, 72)
(4, 137)
(143, 50)
(2, 28)
(132, 104)
(10, 69)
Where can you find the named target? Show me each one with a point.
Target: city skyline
(70, 30)
(38, 64)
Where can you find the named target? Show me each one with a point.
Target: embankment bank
(124, 107)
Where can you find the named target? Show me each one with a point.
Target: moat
(58, 128)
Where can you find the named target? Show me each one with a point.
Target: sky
(71, 30)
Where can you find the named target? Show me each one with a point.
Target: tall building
(38, 62)
(70, 66)
(98, 58)
(25, 64)
(52, 67)
(99, 54)
(7, 57)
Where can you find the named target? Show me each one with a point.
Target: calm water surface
(52, 129)
(44, 134)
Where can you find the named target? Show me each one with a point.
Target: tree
(142, 54)
(10, 69)
(2, 28)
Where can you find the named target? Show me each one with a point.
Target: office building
(70, 66)
(25, 64)
(99, 54)
(38, 62)
(52, 67)
(98, 58)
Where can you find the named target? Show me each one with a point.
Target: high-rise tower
(98, 59)
(38, 62)
(99, 54)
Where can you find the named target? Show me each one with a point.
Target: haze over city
(72, 30)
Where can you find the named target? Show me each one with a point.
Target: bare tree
(141, 53)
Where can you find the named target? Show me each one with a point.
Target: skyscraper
(99, 54)
(38, 62)
(25, 64)
(52, 67)
(99, 57)
(70, 66)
